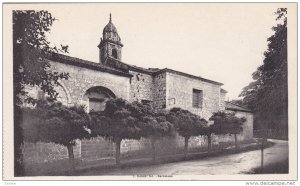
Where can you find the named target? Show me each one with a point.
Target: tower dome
(110, 32)
(110, 27)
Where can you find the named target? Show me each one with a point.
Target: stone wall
(222, 100)
(147, 87)
(179, 93)
(35, 92)
(101, 149)
(248, 125)
(159, 93)
(47, 152)
(141, 87)
(81, 79)
(97, 148)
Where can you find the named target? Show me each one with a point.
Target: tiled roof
(116, 63)
(144, 70)
(87, 64)
(187, 75)
(155, 71)
(117, 67)
(223, 91)
(235, 107)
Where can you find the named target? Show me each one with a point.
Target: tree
(98, 122)
(158, 129)
(208, 131)
(56, 123)
(30, 49)
(119, 124)
(187, 124)
(123, 120)
(152, 122)
(267, 95)
(227, 123)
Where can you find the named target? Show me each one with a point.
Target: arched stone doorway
(95, 98)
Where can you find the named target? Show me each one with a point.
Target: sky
(221, 42)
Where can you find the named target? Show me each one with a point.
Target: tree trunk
(153, 149)
(118, 151)
(186, 143)
(235, 142)
(71, 157)
(209, 143)
(262, 154)
(18, 141)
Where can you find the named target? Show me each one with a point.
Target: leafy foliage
(98, 123)
(55, 123)
(226, 123)
(30, 49)
(124, 120)
(186, 123)
(153, 123)
(267, 95)
(116, 121)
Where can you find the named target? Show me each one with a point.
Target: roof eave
(240, 110)
(86, 64)
(187, 75)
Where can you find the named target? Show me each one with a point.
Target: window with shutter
(197, 98)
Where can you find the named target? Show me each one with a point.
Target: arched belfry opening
(96, 98)
(114, 53)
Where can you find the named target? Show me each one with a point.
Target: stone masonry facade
(82, 79)
(163, 88)
(141, 86)
(180, 90)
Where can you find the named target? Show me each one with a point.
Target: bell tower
(110, 44)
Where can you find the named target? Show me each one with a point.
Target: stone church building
(93, 83)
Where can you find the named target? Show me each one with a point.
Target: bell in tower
(110, 45)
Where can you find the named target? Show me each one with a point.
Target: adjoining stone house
(241, 111)
(92, 84)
